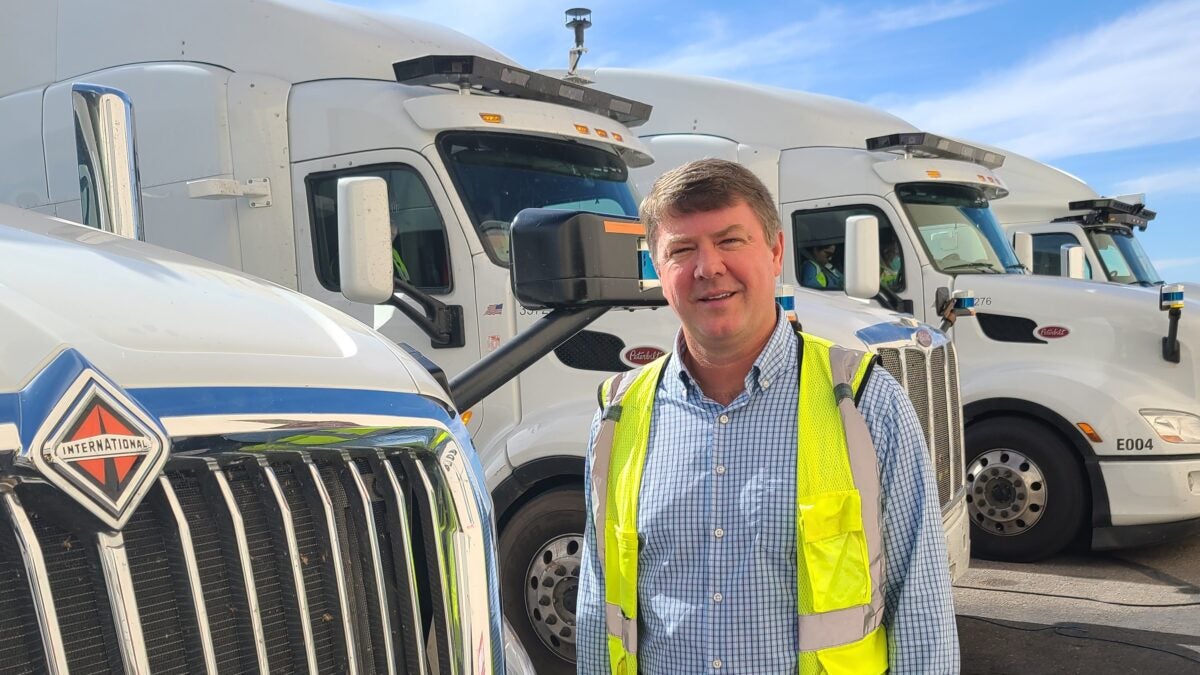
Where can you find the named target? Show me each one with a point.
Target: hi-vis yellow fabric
(839, 550)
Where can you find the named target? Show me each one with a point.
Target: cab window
(420, 251)
(819, 237)
(1047, 254)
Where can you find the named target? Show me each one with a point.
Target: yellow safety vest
(839, 549)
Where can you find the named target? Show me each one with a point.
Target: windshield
(1124, 259)
(958, 230)
(497, 175)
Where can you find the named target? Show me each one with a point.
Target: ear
(777, 253)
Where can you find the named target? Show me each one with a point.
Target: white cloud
(1134, 81)
(717, 50)
(1175, 263)
(1179, 181)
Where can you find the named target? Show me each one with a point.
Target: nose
(709, 262)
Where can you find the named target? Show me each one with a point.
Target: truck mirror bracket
(441, 322)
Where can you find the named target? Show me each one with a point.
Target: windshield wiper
(973, 266)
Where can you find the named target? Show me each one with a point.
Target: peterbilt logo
(1053, 332)
(100, 447)
(640, 356)
(924, 338)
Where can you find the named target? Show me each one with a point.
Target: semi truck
(1079, 403)
(202, 472)
(1056, 209)
(248, 116)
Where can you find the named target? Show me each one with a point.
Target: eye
(677, 251)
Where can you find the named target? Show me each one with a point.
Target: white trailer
(1076, 423)
(247, 117)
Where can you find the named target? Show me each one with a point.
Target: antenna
(579, 19)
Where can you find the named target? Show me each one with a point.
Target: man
(699, 465)
(818, 271)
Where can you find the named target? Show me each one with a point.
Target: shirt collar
(766, 369)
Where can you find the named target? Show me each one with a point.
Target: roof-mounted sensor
(932, 146)
(1110, 212)
(474, 72)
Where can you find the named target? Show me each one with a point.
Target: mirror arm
(441, 322)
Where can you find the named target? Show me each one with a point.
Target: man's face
(824, 254)
(718, 273)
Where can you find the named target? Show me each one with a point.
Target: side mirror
(109, 191)
(862, 257)
(1071, 261)
(1023, 245)
(364, 239)
(576, 259)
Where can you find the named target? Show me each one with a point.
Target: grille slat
(408, 603)
(287, 533)
(940, 409)
(37, 578)
(123, 600)
(242, 569)
(191, 573)
(957, 451)
(325, 503)
(437, 565)
(314, 560)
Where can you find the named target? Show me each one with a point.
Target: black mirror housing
(578, 259)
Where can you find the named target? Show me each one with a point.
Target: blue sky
(1109, 91)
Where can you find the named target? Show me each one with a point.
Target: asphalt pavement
(1134, 611)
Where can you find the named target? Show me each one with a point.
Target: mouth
(716, 297)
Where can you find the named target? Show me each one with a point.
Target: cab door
(430, 248)
(820, 223)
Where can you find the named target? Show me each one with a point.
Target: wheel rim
(551, 587)
(1006, 492)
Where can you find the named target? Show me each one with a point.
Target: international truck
(202, 472)
(248, 115)
(1080, 404)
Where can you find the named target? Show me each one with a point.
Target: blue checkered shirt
(717, 566)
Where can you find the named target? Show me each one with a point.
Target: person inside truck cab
(890, 261)
(818, 270)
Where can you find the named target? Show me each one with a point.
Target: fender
(547, 471)
(978, 411)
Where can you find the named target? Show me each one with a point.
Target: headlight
(1174, 426)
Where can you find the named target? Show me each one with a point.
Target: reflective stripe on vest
(839, 548)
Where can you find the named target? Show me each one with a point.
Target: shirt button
(717, 664)
(718, 533)
(766, 383)
(717, 597)
(724, 419)
(720, 469)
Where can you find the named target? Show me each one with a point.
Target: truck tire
(541, 548)
(1026, 495)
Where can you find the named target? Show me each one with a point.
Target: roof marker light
(491, 118)
(618, 137)
(933, 173)
(601, 133)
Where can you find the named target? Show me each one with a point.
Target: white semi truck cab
(247, 119)
(1077, 422)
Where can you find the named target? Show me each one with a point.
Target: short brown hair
(707, 185)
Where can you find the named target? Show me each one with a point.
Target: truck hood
(149, 317)
(1095, 325)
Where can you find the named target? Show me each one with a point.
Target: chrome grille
(323, 560)
(930, 377)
